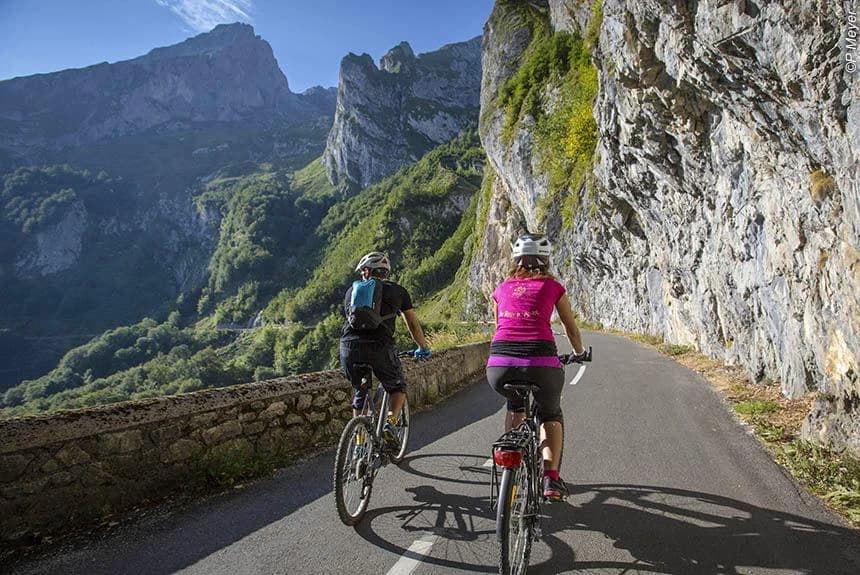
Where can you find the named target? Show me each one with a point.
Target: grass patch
(832, 476)
(755, 407)
(446, 335)
(674, 349)
(646, 338)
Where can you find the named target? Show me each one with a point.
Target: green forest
(285, 254)
(268, 302)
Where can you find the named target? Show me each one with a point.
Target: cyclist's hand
(575, 357)
(421, 353)
(580, 357)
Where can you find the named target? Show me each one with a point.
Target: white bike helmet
(532, 245)
(374, 261)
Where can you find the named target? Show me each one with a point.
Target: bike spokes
(354, 469)
(514, 521)
(520, 524)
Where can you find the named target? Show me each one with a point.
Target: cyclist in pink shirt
(523, 348)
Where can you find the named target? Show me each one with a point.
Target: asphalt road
(663, 480)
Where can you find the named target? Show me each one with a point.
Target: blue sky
(309, 37)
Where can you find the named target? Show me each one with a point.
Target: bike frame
(369, 408)
(524, 439)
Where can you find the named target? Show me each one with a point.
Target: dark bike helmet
(374, 261)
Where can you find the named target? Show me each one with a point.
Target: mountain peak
(220, 37)
(417, 102)
(397, 59)
(224, 75)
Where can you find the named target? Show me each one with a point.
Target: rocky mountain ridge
(99, 168)
(722, 208)
(226, 75)
(391, 115)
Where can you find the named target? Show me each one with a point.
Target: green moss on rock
(556, 85)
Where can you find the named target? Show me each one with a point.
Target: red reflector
(504, 458)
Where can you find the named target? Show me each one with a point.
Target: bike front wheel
(401, 430)
(513, 524)
(353, 470)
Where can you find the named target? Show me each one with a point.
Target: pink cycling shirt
(523, 334)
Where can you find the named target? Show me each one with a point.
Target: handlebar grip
(574, 358)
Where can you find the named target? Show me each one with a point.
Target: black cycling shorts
(382, 358)
(547, 400)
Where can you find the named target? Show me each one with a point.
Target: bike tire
(513, 529)
(402, 429)
(346, 475)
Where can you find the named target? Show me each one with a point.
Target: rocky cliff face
(391, 115)
(723, 208)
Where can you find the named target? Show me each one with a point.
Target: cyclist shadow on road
(458, 521)
(464, 525)
(668, 530)
(465, 469)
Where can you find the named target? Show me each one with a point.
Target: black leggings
(547, 399)
(383, 360)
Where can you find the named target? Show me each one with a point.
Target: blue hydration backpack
(365, 306)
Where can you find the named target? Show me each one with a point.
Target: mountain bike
(361, 451)
(520, 490)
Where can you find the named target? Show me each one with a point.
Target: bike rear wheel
(513, 524)
(353, 470)
(401, 430)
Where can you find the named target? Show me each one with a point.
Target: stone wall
(75, 466)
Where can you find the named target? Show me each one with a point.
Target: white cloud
(203, 15)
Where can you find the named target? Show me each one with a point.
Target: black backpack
(364, 313)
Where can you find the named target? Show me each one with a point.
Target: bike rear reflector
(505, 458)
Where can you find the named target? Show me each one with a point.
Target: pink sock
(551, 473)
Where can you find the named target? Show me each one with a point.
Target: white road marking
(489, 462)
(410, 560)
(579, 375)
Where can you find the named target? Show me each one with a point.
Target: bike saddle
(521, 387)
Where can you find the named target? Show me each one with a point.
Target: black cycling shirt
(395, 299)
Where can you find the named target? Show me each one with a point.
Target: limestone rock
(709, 224)
(389, 116)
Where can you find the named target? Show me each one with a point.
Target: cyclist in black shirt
(376, 347)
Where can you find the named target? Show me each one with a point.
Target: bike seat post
(366, 373)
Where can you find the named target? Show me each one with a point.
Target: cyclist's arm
(495, 314)
(414, 328)
(565, 314)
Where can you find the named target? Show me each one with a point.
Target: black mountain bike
(520, 491)
(361, 451)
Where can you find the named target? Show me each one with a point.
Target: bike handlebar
(410, 353)
(568, 358)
